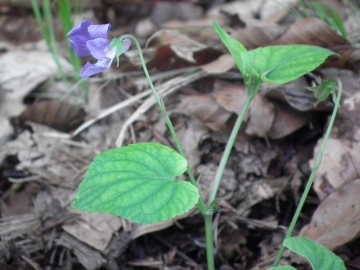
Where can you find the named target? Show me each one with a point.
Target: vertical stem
(228, 148)
(209, 241)
(313, 173)
(201, 204)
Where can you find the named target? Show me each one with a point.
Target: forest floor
(50, 131)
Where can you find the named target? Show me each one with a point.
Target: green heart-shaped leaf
(137, 182)
(319, 256)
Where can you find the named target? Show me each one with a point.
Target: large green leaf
(274, 64)
(282, 64)
(137, 182)
(286, 267)
(319, 256)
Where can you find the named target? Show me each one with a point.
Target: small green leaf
(286, 267)
(319, 256)
(236, 49)
(323, 90)
(282, 64)
(137, 182)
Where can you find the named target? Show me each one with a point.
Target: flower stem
(201, 204)
(228, 148)
(313, 173)
(209, 241)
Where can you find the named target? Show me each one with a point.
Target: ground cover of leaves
(49, 134)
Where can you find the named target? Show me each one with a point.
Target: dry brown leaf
(94, 229)
(58, 115)
(341, 157)
(175, 10)
(191, 135)
(90, 258)
(295, 94)
(182, 45)
(336, 220)
(275, 10)
(256, 35)
(286, 121)
(18, 80)
(206, 109)
(221, 65)
(232, 97)
(139, 230)
(166, 59)
(240, 8)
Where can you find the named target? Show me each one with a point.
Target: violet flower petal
(78, 43)
(100, 66)
(127, 44)
(99, 31)
(97, 48)
(81, 29)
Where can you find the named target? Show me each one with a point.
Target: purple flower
(92, 40)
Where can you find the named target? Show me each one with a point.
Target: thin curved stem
(228, 148)
(201, 204)
(313, 173)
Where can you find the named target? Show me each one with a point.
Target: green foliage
(328, 15)
(137, 182)
(67, 25)
(274, 64)
(286, 267)
(45, 22)
(324, 90)
(319, 256)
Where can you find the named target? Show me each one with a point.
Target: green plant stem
(209, 241)
(201, 205)
(228, 148)
(47, 30)
(67, 25)
(313, 173)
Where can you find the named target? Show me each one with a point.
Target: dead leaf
(21, 71)
(286, 121)
(191, 135)
(336, 220)
(232, 97)
(206, 109)
(221, 65)
(58, 115)
(175, 10)
(341, 156)
(139, 230)
(274, 11)
(91, 259)
(172, 60)
(94, 229)
(182, 45)
(239, 8)
(295, 94)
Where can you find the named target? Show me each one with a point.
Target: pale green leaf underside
(137, 182)
(286, 267)
(319, 256)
